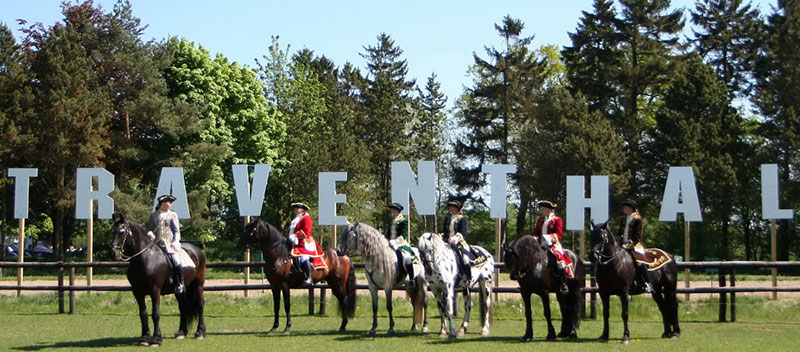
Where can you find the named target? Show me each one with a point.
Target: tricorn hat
(630, 203)
(299, 205)
(454, 203)
(166, 198)
(547, 204)
(395, 206)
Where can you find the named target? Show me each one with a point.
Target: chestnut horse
(150, 272)
(282, 275)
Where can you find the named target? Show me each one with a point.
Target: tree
(386, 106)
(728, 40)
(778, 100)
(492, 111)
(696, 126)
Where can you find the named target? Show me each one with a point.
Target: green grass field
(109, 321)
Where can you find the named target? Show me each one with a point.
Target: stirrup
(648, 288)
(564, 288)
(180, 288)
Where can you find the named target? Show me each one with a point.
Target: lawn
(109, 320)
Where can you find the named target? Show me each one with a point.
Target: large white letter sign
(576, 202)
(84, 194)
(680, 196)
(770, 197)
(497, 186)
(422, 188)
(22, 183)
(250, 202)
(328, 198)
(171, 182)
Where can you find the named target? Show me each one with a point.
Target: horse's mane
(527, 248)
(273, 235)
(375, 249)
(438, 246)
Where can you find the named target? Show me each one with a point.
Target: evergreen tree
(778, 100)
(728, 40)
(492, 111)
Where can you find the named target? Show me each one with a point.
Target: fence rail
(724, 268)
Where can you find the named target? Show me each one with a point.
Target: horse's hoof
(626, 341)
(180, 336)
(551, 337)
(562, 335)
(452, 337)
(527, 338)
(199, 335)
(155, 345)
(602, 339)
(675, 335)
(666, 335)
(372, 332)
(573, 336)
(287, 332)
(390, 332)
(425, 329)
(271, 331)
(485, 333)
(144, 343)
(461, 332)
(442, 334)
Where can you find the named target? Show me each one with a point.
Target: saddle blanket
(655, 258)
(476, 257)
(312, 250)
(563, 260)
(183, 259)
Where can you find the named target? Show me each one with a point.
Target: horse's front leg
(424, 310)
(467, 308)
(183, 310)
(623, 298)
(604, 297)
(486, 302)
(662, 307)
(450, 308)
(276, 308)
(144, 340)
(526, 300)
(287, 306)
(388, 293)
(373, 291)
(551, 331)
(155, 300)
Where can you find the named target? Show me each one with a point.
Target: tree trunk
(524, 199)
(58, 217)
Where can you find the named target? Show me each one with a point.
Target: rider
(304, 245)
(455, 230)
(632, 230)
(550, 228)
(398, 231)
(167, 235)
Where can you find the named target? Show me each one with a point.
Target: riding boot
(178, 272)
(465, 267)
(644, 277)
(564, 289)
(308, 269)
(410, 271)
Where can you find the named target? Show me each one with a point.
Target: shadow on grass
(279, 333)
(104, 343)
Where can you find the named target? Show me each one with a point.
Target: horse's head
(250, 235)
(602, 240)
(120, 234)
(511, 258)
(348, 239)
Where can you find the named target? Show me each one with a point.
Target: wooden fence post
(71, 291)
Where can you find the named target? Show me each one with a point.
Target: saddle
(655, 258)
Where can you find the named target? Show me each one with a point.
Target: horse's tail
(348, 305)
(193, 297)
(576, 298)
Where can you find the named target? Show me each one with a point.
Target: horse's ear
(118, 217)
(591, 221)
(605, 225)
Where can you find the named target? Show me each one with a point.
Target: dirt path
(507, 283)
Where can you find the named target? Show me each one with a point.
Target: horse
(615, 271)
(282, 275)
(444, 276)
(149, 274)
(533, 269)
(385, 272)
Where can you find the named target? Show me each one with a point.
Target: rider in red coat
(304, 245)
(550, 228)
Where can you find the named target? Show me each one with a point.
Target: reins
(121, 247)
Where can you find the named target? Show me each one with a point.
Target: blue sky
(436, 36)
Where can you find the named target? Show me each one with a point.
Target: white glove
(151, 235)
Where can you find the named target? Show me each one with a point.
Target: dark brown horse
(615, 271)
(534, 270)
(150, 274)
(282, 275)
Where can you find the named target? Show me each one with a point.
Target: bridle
(121, 247)
(603, 259)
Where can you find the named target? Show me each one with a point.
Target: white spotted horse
(445, 278)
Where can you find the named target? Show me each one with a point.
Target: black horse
(149, 273)
(535, 272)
(615, 271)
(282, 275)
